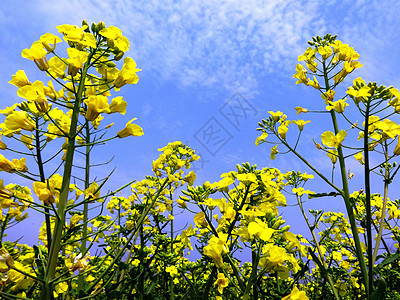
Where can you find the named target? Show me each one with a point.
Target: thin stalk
(346, 198)
(253, 275)
(368, 197)
(47, 288)
(171, 280)
(383, 211)
(81, 280)
(330, 281)
(141, 276)
(42, 179)
(138, 225)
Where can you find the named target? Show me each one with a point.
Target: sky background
(202, 61)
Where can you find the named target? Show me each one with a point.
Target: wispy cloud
(230, 44)
(210, 43)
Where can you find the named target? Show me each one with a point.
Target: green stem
(329, 278)
(253, 275)
(171, 280)
(47, 288)
(4, 224)
(81, 280)
(346, 198)
(138, 225)
(368, 197)
(383, 211)
(42, 179)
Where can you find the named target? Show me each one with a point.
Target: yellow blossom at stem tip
(130, 129)
(300, 110)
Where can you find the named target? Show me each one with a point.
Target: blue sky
(203, 61)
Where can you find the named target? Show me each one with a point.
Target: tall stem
(346, 197)
(330, 281)
(81, 280)
(171, 280)
(383, 211)
(42, 179)
(47, 288)
(368, 196)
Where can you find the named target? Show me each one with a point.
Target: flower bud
(119, 55)
(100, 26)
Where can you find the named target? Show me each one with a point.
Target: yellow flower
(190, 178)
(300, 124)
(222, 282)
(328, 96)
(19, 120)
(96, 104)
(6, 111)
(27, 140)
(337, 106)
(130, 129)
(181, 203)
(115, 39)
(61, 288)
(75, 220)
(348, 67)
(215, 248)
(331, 140)
(296, 295)
(74, 34)
(261, 138)
(118, 105)
(41, 190)
(359, 93)
(283, 129)
(80, 263)
(38, 54)
(314, 83)
(301, 74)
(3, 145)
(127, 75)
(48, 39)
(4, 192)
(261, 230)
(172, 270)
(325, 51)
(396, 150)
(19, 79)
(200, 220)
(276, 116)
(57, 67)
(301, 191)
(76, 60)
(274, 151)
(300, 110)
(333, 155)
(6, 260)
(389, 128)
(247, 178)
(276, 258)
(293, 241)
(33, 92)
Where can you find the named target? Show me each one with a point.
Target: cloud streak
(232, 45)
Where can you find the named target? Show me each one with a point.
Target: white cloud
(224, 44)
(233, 45)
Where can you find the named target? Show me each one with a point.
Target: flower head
(130, 129)
(19, 79)
(37, 53)
(222, 282)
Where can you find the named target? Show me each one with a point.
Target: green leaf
(381, 291)
(388, 260)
